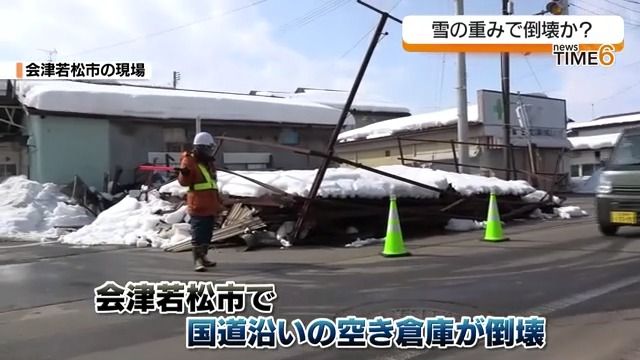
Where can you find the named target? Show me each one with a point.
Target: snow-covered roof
(604, 121)
(337, 99)
(138, 101)
(409, 123)
(593, 142)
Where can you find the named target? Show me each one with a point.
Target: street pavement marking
(585, 296)
(28, 245)
(550, 308)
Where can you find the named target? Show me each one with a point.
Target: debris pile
(262, 207)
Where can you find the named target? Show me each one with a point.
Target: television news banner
(214, 311)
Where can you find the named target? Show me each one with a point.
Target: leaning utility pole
(506, 103)
(463, 120)
(315, 187)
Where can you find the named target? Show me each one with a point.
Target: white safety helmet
(203, 138)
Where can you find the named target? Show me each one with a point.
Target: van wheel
(608, 230)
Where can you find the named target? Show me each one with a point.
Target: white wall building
(593, 141)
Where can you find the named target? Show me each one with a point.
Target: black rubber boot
(205, 261)
(198, 264)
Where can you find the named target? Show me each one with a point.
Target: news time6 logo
(576, 55)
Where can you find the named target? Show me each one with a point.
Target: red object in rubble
(156, 168)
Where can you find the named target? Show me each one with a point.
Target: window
(575, 170)
(289, 137)
(387, 153)
(7, 170)
(587, 169)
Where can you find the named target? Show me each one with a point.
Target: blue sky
(269, 47)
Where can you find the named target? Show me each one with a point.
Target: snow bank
(408, 123)
(347, 182)
(33, 211)
(593, 142)
(127, 100)
(131, 222)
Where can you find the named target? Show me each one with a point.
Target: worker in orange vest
(204, 204)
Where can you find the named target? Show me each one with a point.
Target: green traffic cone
(394, 242)
(493, 231)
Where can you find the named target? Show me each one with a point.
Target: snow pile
(33, 211)
(408, 123)
(594, 142)
(461, 225)
(538, 195)
(128, 100)
(134, 223)
(569, 212)
(346, 182)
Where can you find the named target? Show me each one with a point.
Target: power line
(609, 11)
(314, 14)
(618, 92)
(632, 1)
(535, 76)
(161, 32)
(368, 32)
(622, 6)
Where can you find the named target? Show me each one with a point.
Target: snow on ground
(365, 242)
(134, 223)
(569, 212)
(127, 100)
(593, 142)
(408, 123)
(461, 225)
(346, 182)
(33, 211)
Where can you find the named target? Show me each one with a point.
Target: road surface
(588, 287)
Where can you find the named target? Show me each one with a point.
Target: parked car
(618, 191)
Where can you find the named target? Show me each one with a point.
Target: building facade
(428, 140)
(592, 144)
(96, 130)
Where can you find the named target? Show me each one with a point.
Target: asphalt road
(588, 287)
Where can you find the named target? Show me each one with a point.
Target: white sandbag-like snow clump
(346, 182)
(462, 225)
(30, 210)
(569, 212)
(132, 222)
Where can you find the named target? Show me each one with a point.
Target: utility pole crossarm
(380, 11)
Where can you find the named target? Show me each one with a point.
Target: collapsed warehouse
(267, 208)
